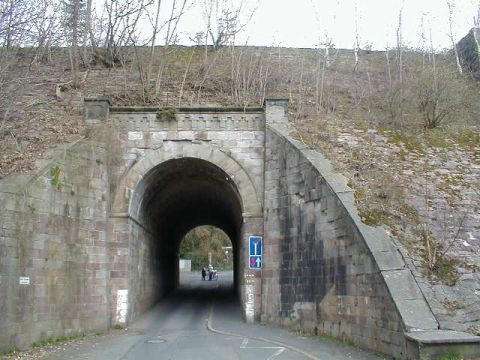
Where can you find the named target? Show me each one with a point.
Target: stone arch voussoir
(250, 197)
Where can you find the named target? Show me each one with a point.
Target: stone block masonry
(54, 256)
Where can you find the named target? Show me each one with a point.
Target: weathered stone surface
(96, 110)
(52, 226)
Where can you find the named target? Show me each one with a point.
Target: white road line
(280, 344)
(280, 349)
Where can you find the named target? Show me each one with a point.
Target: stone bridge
(91, 239)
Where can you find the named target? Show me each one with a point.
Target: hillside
(406, 135)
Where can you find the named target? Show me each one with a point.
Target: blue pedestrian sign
(255, 252)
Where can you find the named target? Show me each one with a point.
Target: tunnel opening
(205, 255)
(173, 198)
(206, 245)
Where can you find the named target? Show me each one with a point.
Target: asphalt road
(202, 320)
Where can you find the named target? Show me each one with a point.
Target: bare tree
(187, 69)
(389, 70)
(433, 58)
(301, 92)
(154, 37)
(423, 39)
(71, 25)
(475, 31)
(451, 7)
(176, 13)
(88, 31)
(15, 21)
(224, 19)
(45, 30)
(323, 63)
(118, 28)
(249, 76)
(440, 93)
(400, 45)
(356, 44)
(74, 51)
(146, 64)
(22, 22)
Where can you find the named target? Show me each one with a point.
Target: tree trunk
(452, 37)
(87, 31)
(477, 44)
(400, 46)
(389, 71)
(76, 14)
(154, 37)
(356, 46)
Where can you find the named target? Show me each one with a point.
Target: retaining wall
(325, 271)
(54, 269)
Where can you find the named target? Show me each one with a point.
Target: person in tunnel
(204, 273)
(210, 272)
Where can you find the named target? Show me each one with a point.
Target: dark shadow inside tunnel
(173, 198)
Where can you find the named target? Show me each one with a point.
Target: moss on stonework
(166, 114)
(55, 173)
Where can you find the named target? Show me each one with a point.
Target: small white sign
(24, 280)
(250, 303)
(122, 306)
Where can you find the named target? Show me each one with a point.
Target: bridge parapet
(189, 119)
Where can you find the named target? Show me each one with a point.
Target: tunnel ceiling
(181, 194)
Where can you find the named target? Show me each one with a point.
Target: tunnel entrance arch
(167, 193)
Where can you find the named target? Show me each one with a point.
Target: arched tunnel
(176, 196)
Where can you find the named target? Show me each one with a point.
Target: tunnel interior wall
(54, 268)
(146, 282)
(326, 272)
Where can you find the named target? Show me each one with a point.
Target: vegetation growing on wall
(166, 114)
(55, 173)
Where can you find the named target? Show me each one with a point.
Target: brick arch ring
(123, 198)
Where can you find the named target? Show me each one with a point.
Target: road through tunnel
(171, 199)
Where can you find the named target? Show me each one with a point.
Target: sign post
(255, 252)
